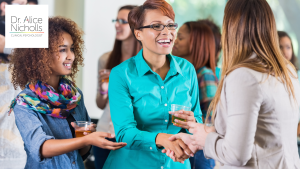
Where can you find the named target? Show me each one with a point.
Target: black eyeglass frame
(121, 21)
(151, 26)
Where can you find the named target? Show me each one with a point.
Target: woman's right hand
(98, 139)
(180, 149)
(102, 81)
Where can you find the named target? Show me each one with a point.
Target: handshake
(182, 146)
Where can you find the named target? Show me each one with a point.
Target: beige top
(104, 124)
(12, 153)
(256, 123)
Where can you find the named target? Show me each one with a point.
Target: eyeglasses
(121, 21)
(160, 27)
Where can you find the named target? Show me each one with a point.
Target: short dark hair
(136, 16)
(34, 1)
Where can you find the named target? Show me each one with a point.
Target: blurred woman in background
(125, 47)
(217, 33)
(196, 43)
(287, 49)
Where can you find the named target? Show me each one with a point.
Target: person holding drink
(124, 48)
(51, 106)
(142, 89)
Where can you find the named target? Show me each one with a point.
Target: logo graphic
(26, 26)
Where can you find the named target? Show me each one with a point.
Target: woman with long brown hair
(125, 47)
(287, 49)
(196, 43)
(256, 106)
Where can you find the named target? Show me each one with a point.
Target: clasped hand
(194, 142)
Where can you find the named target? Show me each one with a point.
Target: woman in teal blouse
(143, 88)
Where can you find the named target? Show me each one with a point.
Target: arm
(57, 147)
(121, 110)
(53, 147)
(101, 99)
(42, 147)
(126, 131)
(243, 101)
(195, 115)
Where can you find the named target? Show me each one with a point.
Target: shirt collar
(143, 67)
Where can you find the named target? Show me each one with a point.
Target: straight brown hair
(202, 45)
(249, 27)
(116, 54)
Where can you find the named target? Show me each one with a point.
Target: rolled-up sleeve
(194, 92)
(123, 118)
(243, 101)
(32, 133)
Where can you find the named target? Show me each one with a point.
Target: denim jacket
(35, 128)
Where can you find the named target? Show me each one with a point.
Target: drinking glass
(107, 79)
(81, 127)
(176, 107)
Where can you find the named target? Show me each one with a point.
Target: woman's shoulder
(127, 65)
(183, 63)
(245, 74)
(105, 56)
(20, 108)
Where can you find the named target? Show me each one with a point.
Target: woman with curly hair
(50, 102)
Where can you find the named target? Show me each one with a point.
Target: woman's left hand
(200, 132)
(186, 115)
(91, 128)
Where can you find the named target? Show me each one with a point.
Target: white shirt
(12, 153)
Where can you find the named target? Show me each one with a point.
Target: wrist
(103, 92)
(86, 140)
(158, 140)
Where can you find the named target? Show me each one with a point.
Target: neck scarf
(47, 101)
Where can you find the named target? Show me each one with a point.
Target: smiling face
(182, 42)
(62, 63)
(123, 30)
(157, 42)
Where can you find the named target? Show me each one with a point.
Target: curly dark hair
(32, 64)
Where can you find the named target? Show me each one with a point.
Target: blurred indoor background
(95, 18)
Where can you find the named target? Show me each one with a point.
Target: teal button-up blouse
(139, 103)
